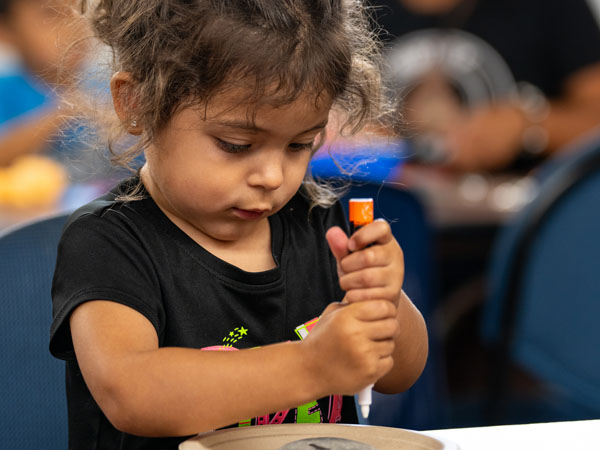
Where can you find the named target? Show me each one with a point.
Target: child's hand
(351, 346)
(370, 262)
(371, 271)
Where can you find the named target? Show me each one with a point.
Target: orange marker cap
(360, 211)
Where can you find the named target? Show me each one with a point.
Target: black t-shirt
(541, 41)
(133, 254)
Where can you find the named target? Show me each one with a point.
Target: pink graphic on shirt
(277, 419)
(262, 420)
(335, 408)
(219, 348)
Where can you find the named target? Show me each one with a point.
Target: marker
(361, 214)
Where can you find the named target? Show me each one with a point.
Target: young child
(213, 289)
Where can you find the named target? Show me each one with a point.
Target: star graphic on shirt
(231, 333)
(243, 331)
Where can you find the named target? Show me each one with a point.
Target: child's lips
(250, 214)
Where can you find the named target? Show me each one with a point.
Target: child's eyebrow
(249, 126)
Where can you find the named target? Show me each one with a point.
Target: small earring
(134, 123)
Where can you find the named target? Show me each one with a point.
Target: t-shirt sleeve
(101, 259)
(574, 35)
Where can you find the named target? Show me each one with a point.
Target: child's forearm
(178, 391)
(410, 354)
(28, 137)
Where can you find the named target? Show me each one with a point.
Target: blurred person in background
(38, 62)
(45, 60)
(490, 85)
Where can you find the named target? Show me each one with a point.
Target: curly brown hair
(180, 53)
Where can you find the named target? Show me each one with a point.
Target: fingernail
(351, 246)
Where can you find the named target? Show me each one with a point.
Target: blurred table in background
(467, 200)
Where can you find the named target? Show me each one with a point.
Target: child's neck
(252, 253)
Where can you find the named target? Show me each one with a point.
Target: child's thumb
(338, 242)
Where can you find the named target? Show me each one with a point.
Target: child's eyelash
(238, 148)
(299, 147)
(232, 148)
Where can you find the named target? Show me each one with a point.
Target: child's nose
(268, 173)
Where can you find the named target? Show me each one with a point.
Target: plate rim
(186, 445)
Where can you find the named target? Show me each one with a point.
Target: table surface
(578, 435)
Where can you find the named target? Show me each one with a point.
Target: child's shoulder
(109, 207)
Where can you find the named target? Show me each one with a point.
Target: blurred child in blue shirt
(38, 60)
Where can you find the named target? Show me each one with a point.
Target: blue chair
(33, 406)
(422, 406)
(542, 313)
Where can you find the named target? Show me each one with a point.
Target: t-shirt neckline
(209, 260)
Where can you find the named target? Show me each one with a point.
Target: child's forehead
(244, 101)
(227, 112)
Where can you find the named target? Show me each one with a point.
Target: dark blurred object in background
(493, 84)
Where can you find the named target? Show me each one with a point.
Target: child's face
(43, 31)
(224, 175)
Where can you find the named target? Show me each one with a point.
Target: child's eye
(232, 148)
(296, 147)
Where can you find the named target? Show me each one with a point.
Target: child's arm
(410, 352)
(152, 391)
(371, 267)
(29, 136)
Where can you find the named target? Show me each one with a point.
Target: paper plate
(273, 437)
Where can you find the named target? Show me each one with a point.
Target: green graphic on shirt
(309, 413)
(236, 335)
(245, 423)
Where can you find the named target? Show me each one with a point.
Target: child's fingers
(377, 232)
(382, 330)
(384, 365)
(375, 256)
(387, 293)
(385, 348)
(375, 310)
(333, 307)
(371, 277)
(338, 242)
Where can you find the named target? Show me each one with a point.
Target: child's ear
(122, 89)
